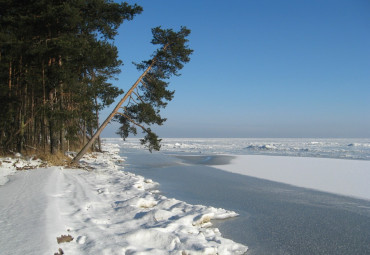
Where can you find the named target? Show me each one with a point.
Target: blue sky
(261, 68)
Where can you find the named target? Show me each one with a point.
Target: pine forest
(57, 59)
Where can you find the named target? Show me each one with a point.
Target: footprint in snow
(81, 239)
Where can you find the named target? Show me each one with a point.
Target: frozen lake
(348, 148)
(274, 218)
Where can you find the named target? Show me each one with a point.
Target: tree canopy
(153, 94)
(56, 59)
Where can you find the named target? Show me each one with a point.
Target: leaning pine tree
(149, 93)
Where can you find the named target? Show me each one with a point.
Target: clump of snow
(9, 166)
(365, 145)
(261, 147)
(108, 211)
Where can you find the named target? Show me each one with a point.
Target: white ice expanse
(345, 148)
(106, 211)
(339, 176)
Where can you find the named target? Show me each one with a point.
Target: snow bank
(109, 211)
(261, 147)
(339, 176)
(9, 166)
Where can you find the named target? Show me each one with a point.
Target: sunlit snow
(105, 210)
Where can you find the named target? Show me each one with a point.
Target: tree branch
(133, 100)
(131, 120)
(137, 95)
(144, 84)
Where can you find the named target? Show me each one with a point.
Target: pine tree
(149, 94)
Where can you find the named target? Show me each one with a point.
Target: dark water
(274, 218)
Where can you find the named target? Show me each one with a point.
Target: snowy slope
(105, 210)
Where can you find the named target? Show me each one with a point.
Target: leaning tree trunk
(115, 110)
(110, 117)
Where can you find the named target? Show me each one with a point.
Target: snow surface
(104, 209)
(339, 176)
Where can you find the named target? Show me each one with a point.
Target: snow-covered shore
(105, 210)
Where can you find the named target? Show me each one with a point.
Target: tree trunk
(22, 107)
(43, 123)
(52, 127)
(53, 139)
(84, 132)
(10, 78)
(61, 132)
(97, 123)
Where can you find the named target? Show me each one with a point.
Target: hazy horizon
(110, 130)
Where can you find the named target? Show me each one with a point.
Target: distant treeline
(56, 60)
